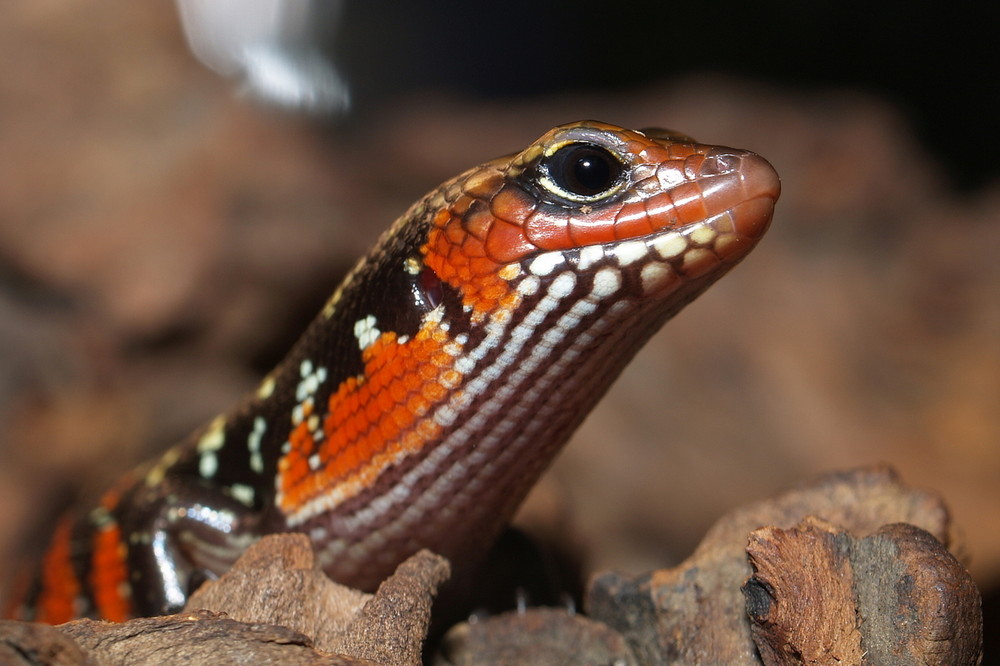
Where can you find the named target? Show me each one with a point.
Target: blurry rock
(541, 636)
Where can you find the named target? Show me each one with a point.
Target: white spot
(214, 436)
(100, 517)
(411, 265)
(630, 252)
(563, 285)
(253, 443)
(544, 264)
(208, 465)
(464, 365)
(450, 380)
(445, 415)
(312, 377)
(589, 256)
(509, 272)
(670, 246)
(433, 316)
(403, 339)
(266, 388)
(477, 385)
(528, 285)
(242, 493)
(703, 235)
(314, 461)
(366, 332)
(607, 281)
(655, 276)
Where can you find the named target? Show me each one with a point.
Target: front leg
(181, 532)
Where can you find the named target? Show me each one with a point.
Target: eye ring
(582, 172)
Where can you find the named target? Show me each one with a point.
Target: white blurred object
(270, 46)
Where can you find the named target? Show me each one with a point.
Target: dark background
(937, 63)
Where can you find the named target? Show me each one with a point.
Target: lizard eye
(582, 172)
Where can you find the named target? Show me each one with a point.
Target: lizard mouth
(710, 221)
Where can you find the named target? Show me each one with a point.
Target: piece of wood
(24, 643)
(695, 613)
(855, 586)
(197, 638)
(541, 636)
(820, 596)
(277, 581)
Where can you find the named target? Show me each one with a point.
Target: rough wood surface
(696, 614)
(23, 643)
(542, 636)
(197, 638)
(821, 596)
(277, 582)
(831, 575)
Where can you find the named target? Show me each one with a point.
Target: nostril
(718, 164)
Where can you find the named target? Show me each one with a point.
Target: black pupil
(584, 169)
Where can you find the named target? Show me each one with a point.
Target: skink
(441, 378)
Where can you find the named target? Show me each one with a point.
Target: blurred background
(166, 232)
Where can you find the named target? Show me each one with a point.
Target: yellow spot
(159, 470)
(266, 388)
(670, 246)
(551, 149)
(214, 436)
(703, 235)
(331, 305)
(510, 271)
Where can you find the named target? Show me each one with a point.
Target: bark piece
(695, 612)
(31, 643)
(197, 638)
(543, 636)
(278, 581)
(391, 627)
(935, 608)
(821, 596)
(801, 598)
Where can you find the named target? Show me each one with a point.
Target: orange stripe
(108, 576)
(60, 586)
